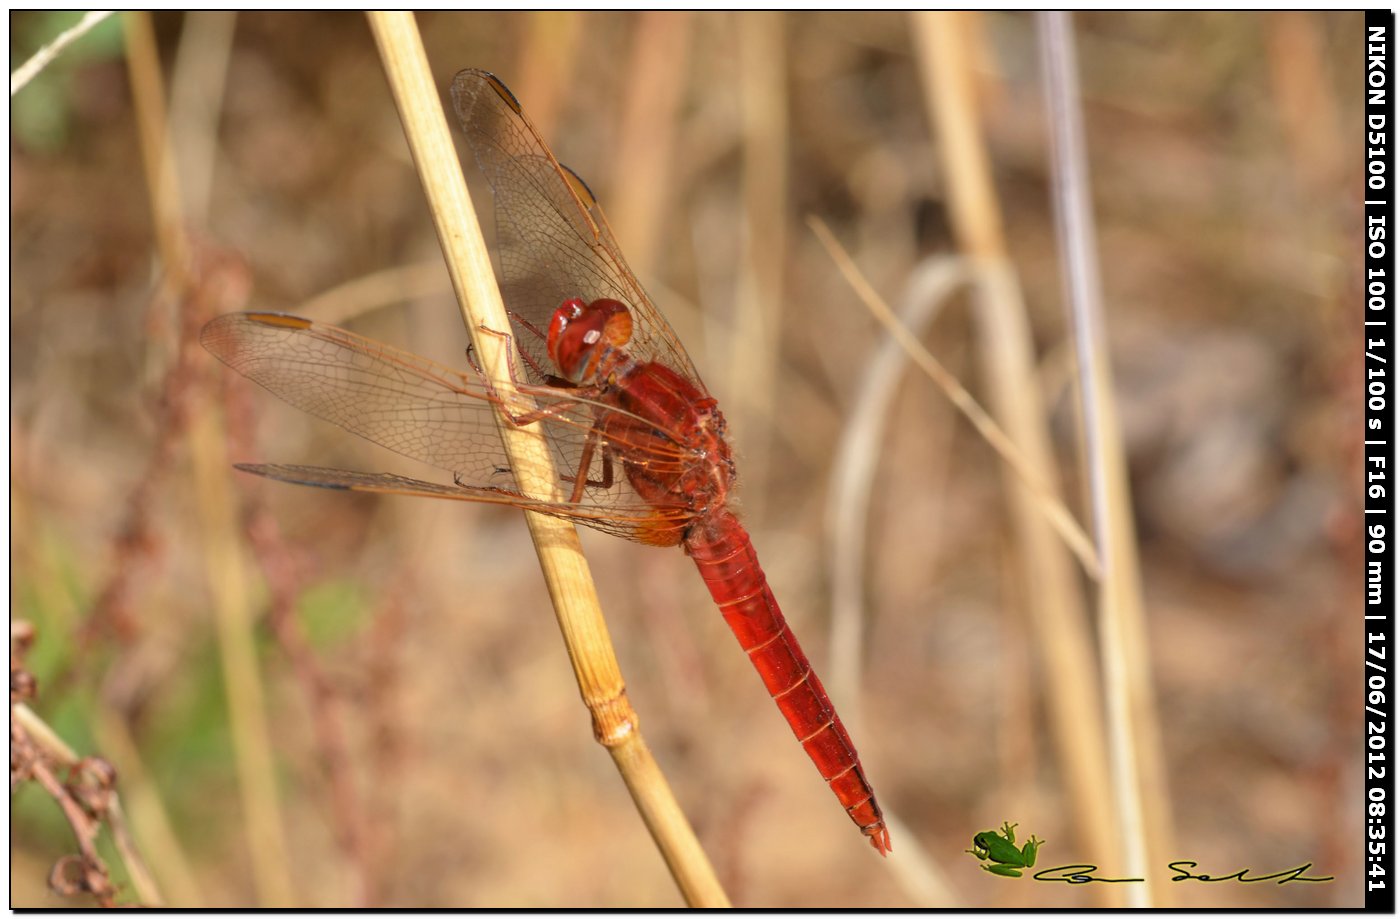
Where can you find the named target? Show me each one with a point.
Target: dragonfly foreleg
(551, 389)
(551, 380)
(527, 325)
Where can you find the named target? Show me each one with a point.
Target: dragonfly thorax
(581, 334)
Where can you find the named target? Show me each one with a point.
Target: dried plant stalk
(1138, 770)
(377, 289)
(225, 564)
(566, 574)
(753, 346)
(149, 818)
(197, 80)
(550, 47)
(646, 136)
(917, 872)
(148, 101)
(46, 55)
(227, 570)
(1055, 602)
(1028, 475)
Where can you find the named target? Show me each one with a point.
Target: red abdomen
(726, 559)
(688, 468)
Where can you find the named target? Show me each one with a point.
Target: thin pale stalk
(226, 568)
(148, 101)
(753, 343)
(43, 735)
(1062, 640)
(853, 476)
(197, 79)
(852, 480)
(1030, 477)
(947, 44)
(640, 186)
(46, 55)
(566, 574)
(227, 571)
(150, 820)
(1140, 796)
(141, 878)
(373, 291)
(549, 51)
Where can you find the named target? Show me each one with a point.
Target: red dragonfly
(614, 390)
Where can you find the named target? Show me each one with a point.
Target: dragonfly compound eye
(580, 334)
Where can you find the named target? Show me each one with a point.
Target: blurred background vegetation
(423, 727)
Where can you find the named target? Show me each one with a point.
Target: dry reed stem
(46, 55)
(1308, 115)
(1139, 787)
(224, 563)
(197, 80)
(853, 473)
(149, 816)
(915, 870)
(549, 50)
(565, 571)
(373, 291)
(46, 737)
(640, 185)
(1049, 586)
(1062, 639)
(226, 569)
(1054, 600)
(754, 340)
(148, 101)
(136, 869)
(1033, 479)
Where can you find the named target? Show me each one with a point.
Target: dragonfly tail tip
(880, 839)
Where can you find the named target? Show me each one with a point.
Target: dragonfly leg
(581, 481)
(527, 325)
(607, 480)
(549, 411)
(550, 379)
(556, 382)
(590, 442)
(551, 389)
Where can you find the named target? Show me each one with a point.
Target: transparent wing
(555, 242)
(643, 528)
(423, 410)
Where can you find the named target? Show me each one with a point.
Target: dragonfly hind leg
(585, 464)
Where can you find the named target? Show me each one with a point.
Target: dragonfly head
(580, 334)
